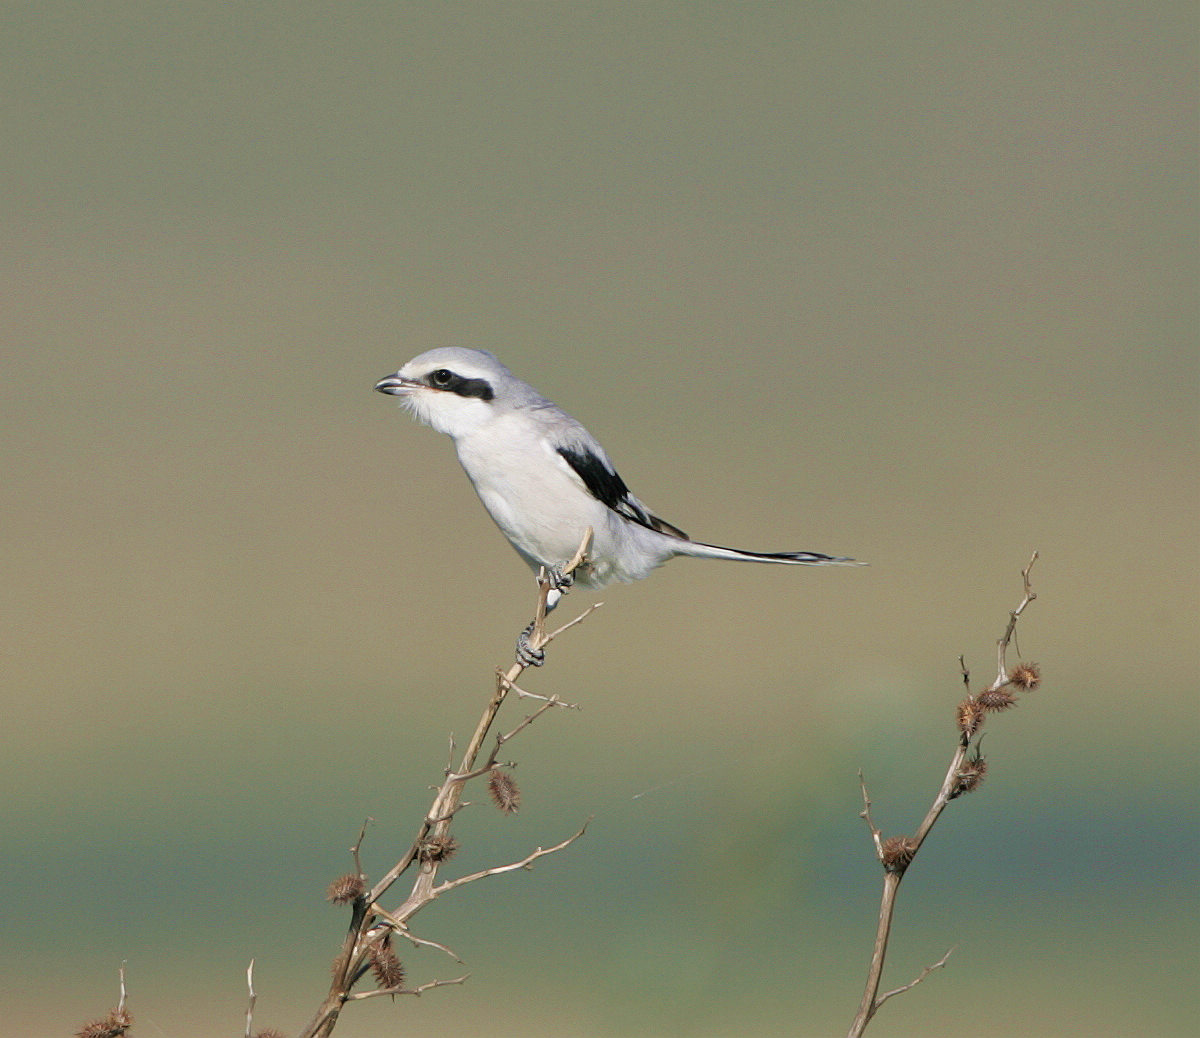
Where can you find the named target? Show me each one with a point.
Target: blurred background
(910, 282)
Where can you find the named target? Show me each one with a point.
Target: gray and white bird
(544, 478)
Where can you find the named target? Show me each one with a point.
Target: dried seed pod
(1026, 676)
(970, 717)
(505, 793)
(996, 699)
(896, 852)
(970, 775)
(115, 1025)
(437, 848)
(388, 970)
(345, 889)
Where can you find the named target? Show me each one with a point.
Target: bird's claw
(560, 580)
(527, 655)
(556, 581)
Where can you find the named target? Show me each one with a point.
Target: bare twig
(915, 981)
(571, 623)
(354, 851)
(522, 694)
(496, 870)
(358, 996)
(549, 703)
(252, 1000)
(1011, 630)
(865, 815)
(963, 775)
(419, 942)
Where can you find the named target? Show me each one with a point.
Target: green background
(913, 282)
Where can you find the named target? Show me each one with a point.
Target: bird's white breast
(530, 491)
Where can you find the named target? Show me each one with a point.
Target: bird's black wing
(605, 484)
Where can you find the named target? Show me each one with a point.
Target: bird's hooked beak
(394, 385)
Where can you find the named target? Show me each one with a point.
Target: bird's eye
(442, 377)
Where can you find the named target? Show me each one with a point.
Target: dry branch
(964, 774)
(367, 945)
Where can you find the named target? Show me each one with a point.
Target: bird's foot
(555, 581)
(527, 655)
(560, 579)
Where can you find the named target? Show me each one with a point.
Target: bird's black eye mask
(447, 380)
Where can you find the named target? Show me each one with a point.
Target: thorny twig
(963, 775)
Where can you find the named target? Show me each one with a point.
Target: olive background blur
(911, 282)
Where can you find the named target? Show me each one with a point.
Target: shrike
(544, 478)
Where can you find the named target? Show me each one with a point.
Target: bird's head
(452, 388)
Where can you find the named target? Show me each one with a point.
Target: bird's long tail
(701, 550)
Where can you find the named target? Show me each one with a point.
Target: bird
(544, 479)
